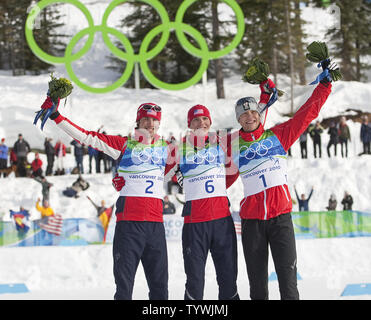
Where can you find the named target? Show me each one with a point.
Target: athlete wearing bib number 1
(208, 225)
(145, 159)
(260, 157)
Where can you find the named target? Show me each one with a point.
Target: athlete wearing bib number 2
(140, 234)
(260, 157)
(208, 225)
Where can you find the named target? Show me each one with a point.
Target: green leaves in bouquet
(317, 52)
(59, 88)
(257, 71)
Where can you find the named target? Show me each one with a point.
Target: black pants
(303, 150)
(3, 165)
(315, 145)
(332, 143)
(136, 241)
(49, 168)
(344, 142)
(218, 237)
(278, 233)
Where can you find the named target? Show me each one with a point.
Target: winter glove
(47, 108)
(269, 94)
(266, 88)
(118, 182)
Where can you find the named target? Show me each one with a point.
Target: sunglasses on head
(147, 107)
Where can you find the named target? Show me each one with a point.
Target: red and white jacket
(135, 208)
(276, 200)
(213, 208)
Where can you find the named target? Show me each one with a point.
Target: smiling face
(249, 120)
(200, 125)
(149, 125)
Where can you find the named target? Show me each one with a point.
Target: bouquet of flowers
(258, 72)
(318, 52)
(58, 89)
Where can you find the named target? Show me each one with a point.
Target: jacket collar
(253, 135)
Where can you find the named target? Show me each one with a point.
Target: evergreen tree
(266, 36)
(15, 53)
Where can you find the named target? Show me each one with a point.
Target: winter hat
(197, 111)
(2, 139)
(245, 104)
(150, 109)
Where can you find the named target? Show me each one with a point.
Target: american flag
(53, 224)
(198, 111)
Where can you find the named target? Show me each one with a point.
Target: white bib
(269, 174)
(209, 184)
(144, 184)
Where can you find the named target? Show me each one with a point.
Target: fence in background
(76, 231)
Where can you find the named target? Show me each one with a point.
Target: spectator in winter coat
(366, 135)
(302, 201)
(139, 233)
(45, 209)
(347, 202)
(45, 185)
(36, 166)
(332, 203)
(21, 148)
(169, 207)
(60, 152)
(50, 154)
(79, 185)
(333, 132)
(261, 159)
(315, 133)
(344, 136)
(3, 156)
(79, 155)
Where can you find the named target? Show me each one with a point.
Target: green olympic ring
(129, 56)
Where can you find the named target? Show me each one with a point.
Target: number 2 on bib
(150, 182)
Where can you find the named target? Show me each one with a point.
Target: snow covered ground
(325, 266)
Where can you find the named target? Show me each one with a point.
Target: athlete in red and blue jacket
(145, 159)
(208, 225)
(260, 157)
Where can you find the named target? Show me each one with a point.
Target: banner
(76, 231)
(330, 224)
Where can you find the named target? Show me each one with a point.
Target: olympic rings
(152, 155)
(129, 56)
(256, 148)
(209, 155)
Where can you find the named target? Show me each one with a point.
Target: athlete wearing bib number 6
(139, 234)
(208, 225)
(260, 157)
